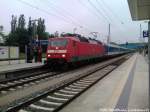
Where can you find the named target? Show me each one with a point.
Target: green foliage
(40, 26)
(45, 35)
(13, 23)
(42, 35)
(20, 35)
(51, 36)
(21, 22)
(30, 27)
(2, 34)
(18, 38)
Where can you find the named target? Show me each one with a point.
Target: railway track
(21, 73)
(30, 78)
(54, 100)
(24, 75)
(18, 83)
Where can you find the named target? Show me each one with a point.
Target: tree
(30, 27)
(2, 34)
(1, 31)
(13, 23)
(19, 34)
(42, 35)
(19, 38)
(21, 22)
(1, 28)
(45, 35)
(51, 36)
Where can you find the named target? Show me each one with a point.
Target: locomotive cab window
(59, 43)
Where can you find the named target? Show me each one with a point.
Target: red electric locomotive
(72, 48)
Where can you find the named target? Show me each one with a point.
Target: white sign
(9, 52)
(4, 52)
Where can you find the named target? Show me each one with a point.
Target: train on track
(74, 48)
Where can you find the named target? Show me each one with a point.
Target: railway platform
(5, 67)
(124, 89)
(18, 64)
(13, 67)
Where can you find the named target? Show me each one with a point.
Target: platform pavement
(17, 64)
(126, 88)
(11, 62)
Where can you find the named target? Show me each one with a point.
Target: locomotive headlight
(49, 55)
(63, 55)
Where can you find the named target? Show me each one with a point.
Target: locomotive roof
(82, 38)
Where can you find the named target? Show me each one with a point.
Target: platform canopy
(140, 9)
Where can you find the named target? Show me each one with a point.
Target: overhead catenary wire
(71, 15)
(68, 15)
(92, 12)
(104, 16)
(44, 11)
(47, 3)
(105, 9)
(48, 13)
(99, 11)
(69, 18)
(111, 11)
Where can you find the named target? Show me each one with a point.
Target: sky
(85, 16)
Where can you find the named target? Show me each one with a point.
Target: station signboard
(40, 42)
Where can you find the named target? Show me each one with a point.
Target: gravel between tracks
(50, 83)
